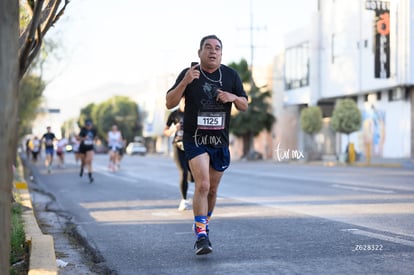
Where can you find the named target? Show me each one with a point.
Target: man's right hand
(192, 73)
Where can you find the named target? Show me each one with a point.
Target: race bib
(211, 120)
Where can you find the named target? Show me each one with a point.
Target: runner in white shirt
(115, 148)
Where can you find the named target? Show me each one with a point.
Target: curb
(41, 246)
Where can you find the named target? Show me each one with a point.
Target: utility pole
(252, 29)
(251, 44)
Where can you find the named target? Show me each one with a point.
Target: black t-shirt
(49, 138)
(89, 135)
(206, 119)
(176, 117)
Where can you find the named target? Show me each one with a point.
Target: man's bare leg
(199, 166)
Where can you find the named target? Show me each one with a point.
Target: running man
(210, 90)
(48, 139)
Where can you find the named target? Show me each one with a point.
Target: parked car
(136, 148)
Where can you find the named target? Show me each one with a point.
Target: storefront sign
(382, 37)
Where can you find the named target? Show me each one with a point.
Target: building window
(398, 93)
(339, 45)
(297, 66)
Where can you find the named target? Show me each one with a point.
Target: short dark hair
(211, 36)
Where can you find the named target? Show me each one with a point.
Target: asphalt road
(271, 218)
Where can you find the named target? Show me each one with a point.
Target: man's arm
(239, 101)
(174, 96)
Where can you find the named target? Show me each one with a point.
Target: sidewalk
(389, 162)
(42, 254)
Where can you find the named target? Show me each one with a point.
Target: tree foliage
(259, 115)
(346, 117)
(30, 98)
(32, 84)
(38, 17)
(69, 128)
(257, 118)
(86, 113)
(311, 119)
(118, 110)
(243, 69)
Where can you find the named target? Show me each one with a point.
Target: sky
(106, 47)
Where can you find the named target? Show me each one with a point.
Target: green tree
(32, 83)
(243, 69)
(346, 117)
(69, 128)
(86, 113)
(258, 116)
(30, 98)
(32, 86)
(311, 123)
(118, 110)
(37, 17)
(311, 119)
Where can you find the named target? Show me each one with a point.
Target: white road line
(381, 237)
(299, 177)
(354, 188)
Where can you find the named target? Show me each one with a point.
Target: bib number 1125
(211, 121)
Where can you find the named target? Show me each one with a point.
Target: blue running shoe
(203, 246)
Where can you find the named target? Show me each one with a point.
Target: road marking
(382, 191)
(380, 236)
(307, 178)
(117, 176)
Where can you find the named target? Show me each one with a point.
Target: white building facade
(359, 49)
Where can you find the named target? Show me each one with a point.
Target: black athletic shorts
(85, 148)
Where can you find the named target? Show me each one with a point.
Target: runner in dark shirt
(48, 138)
(210, 90)
(87, 137)
(174, 125)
